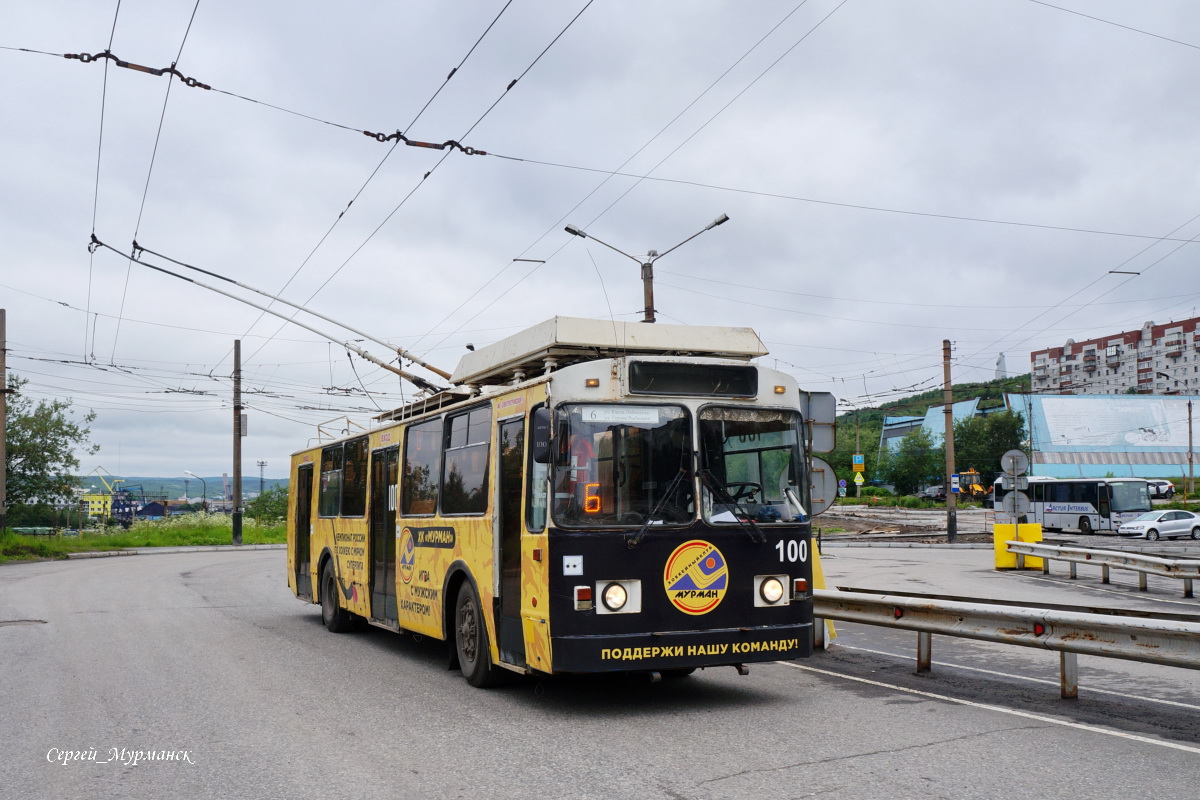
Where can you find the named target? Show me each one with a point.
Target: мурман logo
(695, 577)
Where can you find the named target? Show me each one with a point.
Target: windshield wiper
(718, 489)
(636, 539)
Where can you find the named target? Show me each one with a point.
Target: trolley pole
(237, 441)
(948, 399)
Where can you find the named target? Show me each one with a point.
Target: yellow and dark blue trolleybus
(588, 496)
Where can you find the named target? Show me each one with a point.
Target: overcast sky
(896, 173)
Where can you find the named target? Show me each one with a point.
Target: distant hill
(990, 394)
(173, 488)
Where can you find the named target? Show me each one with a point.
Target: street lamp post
(204, 489)
(261, 464)
(648, 262)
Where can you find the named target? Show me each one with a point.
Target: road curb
(143, 551)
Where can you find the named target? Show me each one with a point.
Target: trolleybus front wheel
(336, 618)
(471, 640)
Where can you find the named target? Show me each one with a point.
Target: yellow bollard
(819, 583)
(1031, 532)
(1003, 533)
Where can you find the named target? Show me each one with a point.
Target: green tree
(979, 442)
(269, 506)
(41, 441)
(918, 460)
(868, 436)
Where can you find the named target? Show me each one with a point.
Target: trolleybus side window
(344, 480)
(422, 467)
(354, 479)
(464, 487)
(331, 481)
(539, 468)
(623, 465)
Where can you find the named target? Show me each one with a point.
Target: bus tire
(471, 640)
(1085, 526)
(336, 618)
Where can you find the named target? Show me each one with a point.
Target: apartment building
(1157, 359)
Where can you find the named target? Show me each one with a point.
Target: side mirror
(540, 433)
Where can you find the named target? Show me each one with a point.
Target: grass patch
(182, 531)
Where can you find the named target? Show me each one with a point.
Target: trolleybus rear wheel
(336, 618)
(471, 640)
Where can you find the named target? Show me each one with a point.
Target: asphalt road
(209, 657)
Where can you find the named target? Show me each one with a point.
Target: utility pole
(3, 424)
(1191, 487)
(261, 464)
(948, 399)
(857, 449)
(237, 441)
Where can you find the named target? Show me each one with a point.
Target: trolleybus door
(384, 471)
(303, 550)
(510, 637)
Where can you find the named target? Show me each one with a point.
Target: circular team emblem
(696, 577)
(408, 553)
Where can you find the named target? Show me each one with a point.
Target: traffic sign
(842, 483)
(1015, 503)
(858, 462)
(954, 486)
(858, 478)
(822, 485)
(1014, 462)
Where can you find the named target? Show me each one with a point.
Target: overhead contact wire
(149, 172)
(370, 178)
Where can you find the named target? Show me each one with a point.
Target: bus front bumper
(680, 649)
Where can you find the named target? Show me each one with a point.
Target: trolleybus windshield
(750, 464)
(623, 465)
(1130, 496)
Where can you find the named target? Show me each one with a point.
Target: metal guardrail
(1186, 570)
(1173, 642)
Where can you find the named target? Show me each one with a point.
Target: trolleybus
(1086, 505)
(587, 496)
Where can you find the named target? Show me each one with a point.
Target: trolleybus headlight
(771, 590)
(614, 596)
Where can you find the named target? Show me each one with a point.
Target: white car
(1168, 524)
(1159, 488)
